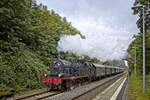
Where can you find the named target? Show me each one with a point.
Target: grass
(135, 88)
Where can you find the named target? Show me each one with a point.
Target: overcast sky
(108, 26)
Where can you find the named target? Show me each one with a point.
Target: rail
(88, 95)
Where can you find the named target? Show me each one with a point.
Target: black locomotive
(65, 74)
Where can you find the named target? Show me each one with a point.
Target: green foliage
(138, 44)
(117, 63)
(20, 70)
(138, 10)
(72, 56)
(5, 90)
(135, 88)
(138, 41)
(141, 1)
(28, 39)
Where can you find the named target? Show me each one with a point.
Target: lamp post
(143, 16)
(144, 76)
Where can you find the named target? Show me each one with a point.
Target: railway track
(91, 93)
(37, 95)
(46, 95)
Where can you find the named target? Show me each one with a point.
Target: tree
(28, 40)
(138, 41)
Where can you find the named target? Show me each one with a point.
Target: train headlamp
(45, 75)
(59, 75)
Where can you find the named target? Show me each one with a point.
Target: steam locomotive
(66, 74)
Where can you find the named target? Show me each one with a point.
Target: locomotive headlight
(59, 75)
(45, 75)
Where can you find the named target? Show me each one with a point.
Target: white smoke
(102, 41)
